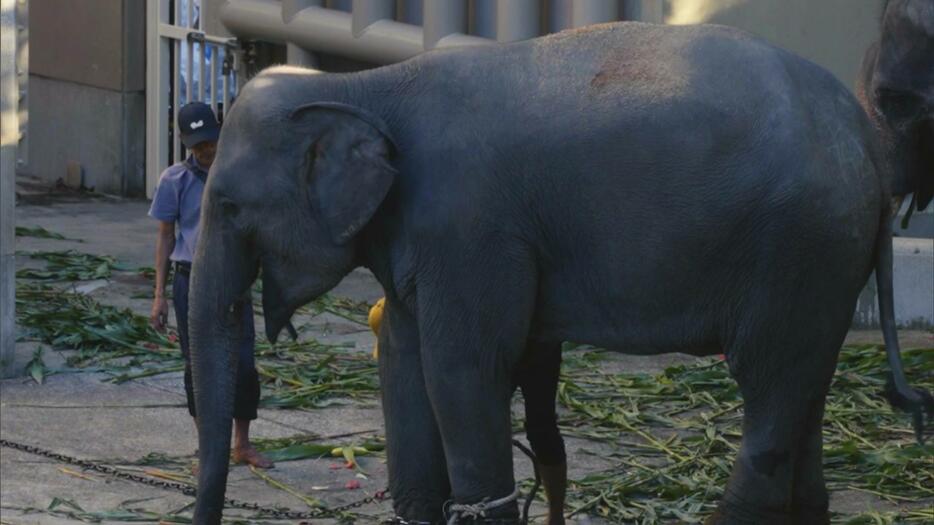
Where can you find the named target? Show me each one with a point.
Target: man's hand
(165, 243)
(159, 315)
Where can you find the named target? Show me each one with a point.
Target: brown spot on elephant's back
(638, 74)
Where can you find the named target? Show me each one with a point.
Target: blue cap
(197, 124)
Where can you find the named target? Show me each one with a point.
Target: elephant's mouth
(277, 313)
(275, 322)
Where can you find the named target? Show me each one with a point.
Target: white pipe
(366, 12)
(517, 19)
(290, 7)
(443, 18)
(330, 31)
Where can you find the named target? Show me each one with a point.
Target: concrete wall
(832, 33)
(102, 129)
(9, 136)
(87, 92)
(913, 282)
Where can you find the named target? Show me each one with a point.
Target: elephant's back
(639, 89)
(706, 120)
(606, 70)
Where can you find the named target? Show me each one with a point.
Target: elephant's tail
(897, 390)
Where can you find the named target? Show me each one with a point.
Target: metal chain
(188, 490)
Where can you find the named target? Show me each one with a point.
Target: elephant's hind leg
(784, 376)
(809, 498)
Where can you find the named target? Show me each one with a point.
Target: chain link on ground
(188, 490)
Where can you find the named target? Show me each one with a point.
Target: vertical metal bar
(650, 11)
(176, 85)
(340, 5)
(189, 23)
(189, 71)
(559, 15)
(215, 56)
(203, 55)
(517, 19)
(484, 18)
(410, 12)
(294, 54)
(177, 14)
(442, 18)
(297, 56)
(226, 87)
(587, 12)
(366, 12)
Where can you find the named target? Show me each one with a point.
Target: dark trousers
(247, 388)
(537, 376)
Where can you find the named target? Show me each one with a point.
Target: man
(178, 201)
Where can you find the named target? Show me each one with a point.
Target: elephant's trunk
(221, 273)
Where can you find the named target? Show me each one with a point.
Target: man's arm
(165, 243)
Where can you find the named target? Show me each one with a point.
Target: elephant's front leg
(418, 478)
(473, 331)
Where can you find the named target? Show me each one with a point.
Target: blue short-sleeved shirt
(178, 199)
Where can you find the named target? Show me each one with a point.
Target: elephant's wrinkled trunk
(221, 273)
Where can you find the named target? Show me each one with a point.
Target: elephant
(896, 88)
(638, 187)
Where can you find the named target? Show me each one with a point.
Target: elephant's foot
(812, 515)
(396, 520)
(504, 517)
(726, 516)
(467, 521)
(733, 514)
(417, 512)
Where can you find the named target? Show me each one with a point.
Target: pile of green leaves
(354, 311)
(40, 233)
(309, 374)
(672, 438)
(304, 447)
(98, 332)
(69, 265)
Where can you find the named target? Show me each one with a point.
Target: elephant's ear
(347, 165)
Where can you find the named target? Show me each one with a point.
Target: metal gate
(183, 65)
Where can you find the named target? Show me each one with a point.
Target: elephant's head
(897, 89)
(291, 187)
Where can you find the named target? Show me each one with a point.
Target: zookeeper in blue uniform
(177, 201)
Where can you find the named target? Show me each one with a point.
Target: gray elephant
(896, 87)
(643, 188)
